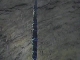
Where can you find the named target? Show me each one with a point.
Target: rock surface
(58, 29)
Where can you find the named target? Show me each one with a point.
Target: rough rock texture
(58, 29)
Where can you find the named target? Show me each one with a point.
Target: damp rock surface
(58, 29)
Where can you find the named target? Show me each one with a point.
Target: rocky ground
(58, 29)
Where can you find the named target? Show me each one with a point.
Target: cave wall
(58, 29)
